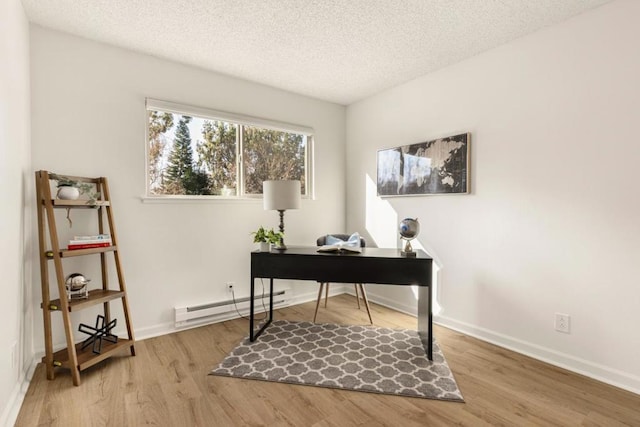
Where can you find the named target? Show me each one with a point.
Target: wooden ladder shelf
(73, 357)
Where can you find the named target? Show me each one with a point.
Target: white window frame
(233, 118)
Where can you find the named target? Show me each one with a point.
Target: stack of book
(87, 242)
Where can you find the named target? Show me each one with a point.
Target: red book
(88, 246)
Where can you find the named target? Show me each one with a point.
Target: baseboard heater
(223, 310)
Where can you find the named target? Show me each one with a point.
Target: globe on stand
(409, 229)
(76, 285)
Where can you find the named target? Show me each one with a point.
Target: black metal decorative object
(97, 334)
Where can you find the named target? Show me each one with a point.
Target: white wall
(552, 224)
(89, 117)
(15, 184)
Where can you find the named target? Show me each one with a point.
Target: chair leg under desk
(326, 296)
(359, 291)
(366, 301)
(318, 301)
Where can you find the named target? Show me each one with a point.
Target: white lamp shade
(281, 195)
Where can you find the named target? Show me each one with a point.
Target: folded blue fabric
(353, 240)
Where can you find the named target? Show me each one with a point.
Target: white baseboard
(12, 409)
(10, 413)
(389, 303)
(605, 374)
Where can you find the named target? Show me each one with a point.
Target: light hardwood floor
(167, 384)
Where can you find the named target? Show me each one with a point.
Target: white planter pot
(265, 247)
(68, 193)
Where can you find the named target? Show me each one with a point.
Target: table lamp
(280, 196)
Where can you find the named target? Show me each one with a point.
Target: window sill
(198, 199)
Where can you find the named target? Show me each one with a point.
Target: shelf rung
(86, 358)
(66, 253)
(59, 203)
(96, 296)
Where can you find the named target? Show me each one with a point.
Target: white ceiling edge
(339, 51)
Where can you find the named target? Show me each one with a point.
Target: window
(197, 152)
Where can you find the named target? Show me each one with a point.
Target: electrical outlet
(230, 286)
(563, 323)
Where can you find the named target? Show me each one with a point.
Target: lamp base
(280, 246)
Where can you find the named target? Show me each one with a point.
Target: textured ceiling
(337, 50)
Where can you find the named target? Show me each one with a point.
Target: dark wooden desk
(373, 265)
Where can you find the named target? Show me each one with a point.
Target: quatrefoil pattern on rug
(362, 358)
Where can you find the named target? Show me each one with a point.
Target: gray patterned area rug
(362, 358)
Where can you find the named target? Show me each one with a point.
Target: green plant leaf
(260, 235)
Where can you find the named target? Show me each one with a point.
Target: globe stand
(408, 250)
(408, 229)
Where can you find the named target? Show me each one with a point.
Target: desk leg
(270, 300)
(253, 335)
(252, 310)
(425, 319)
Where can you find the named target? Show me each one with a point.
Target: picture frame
(438, 166)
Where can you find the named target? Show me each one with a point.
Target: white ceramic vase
(68, 193)
(264, 247)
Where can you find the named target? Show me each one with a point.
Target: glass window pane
(197, 152)
(270, 154)
(159, 139)
(191, 155)
(217, 156)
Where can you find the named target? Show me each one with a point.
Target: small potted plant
(275, 238)
(67, 189)
(266, 238)
(70, 189)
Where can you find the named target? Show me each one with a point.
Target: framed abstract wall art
(440, 166)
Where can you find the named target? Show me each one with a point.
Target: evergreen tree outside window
(202, 153)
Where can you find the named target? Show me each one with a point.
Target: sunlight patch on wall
(436, 268)
(381, 220)
(436, 308)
